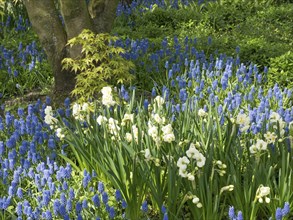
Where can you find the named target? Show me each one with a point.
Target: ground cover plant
(199, 135)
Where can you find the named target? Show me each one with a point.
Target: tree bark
(47, 24)
(103, 13)
(76, 19)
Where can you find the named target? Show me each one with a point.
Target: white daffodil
(182, 163)
(101, 119)
(202, 113)
(261, 145)
(200, 160)
(192, 152)
(270, 137)
(159, 100)
(128, 137)
(147, 154)
(107, 98)
(167, 129)
(242, 119)
(48, 110)
(169, 137)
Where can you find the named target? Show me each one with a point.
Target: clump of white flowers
(134, 130)
(244, 122)
(101, 119)
(182, 164)
(262, 194)
(220, 167)
(168, 134)
(277, 121)
(192, 153)
(79, 112)
(270, 137)
(107, 98)
(195, 200)
(127, 118)
(147, 154)
(49, 119)
(259, 146)
(202, 113)
(113, 127)
(227, 188)
(60, 134)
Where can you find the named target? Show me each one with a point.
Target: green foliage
(101, 64)
(281, 70)
(262, 29)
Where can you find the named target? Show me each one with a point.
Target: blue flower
(112, 212)
(118, 195)
(231, 213)
(278, 214)
(105, 197)
(144, 206)
(239, 216)
(96, 200)
(286, 209)
(78, 207)
(100, 187)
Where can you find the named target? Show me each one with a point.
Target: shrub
(281, 70)
(101, 64)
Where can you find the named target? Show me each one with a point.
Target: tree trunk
(47, 24)
(103, 13)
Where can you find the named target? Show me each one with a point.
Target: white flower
(159, 100)
(182, 163)
(199, 205)
(253, 149)
(270, 137)
(107, 98)
(190, 177)
(183, 173)
(128, 137)
(242, 119)
(113, 126)
(157, 118)
(106, 90)
(264, 191)
(169, 137)
(48, 110)
(101, 119)
(49, 119)
(153, 131)
(195, 200)
(76, 108)
(267, 199)
(227, 188)
(59, 133)
(261, 145)
(126, 118)
(192, 152)
(167, 129)
(200, 160)
(202, 113)
(85, 107)
(275, 117)
(147, 154)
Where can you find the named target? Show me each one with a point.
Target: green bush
(101, 64)
(281, 70)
